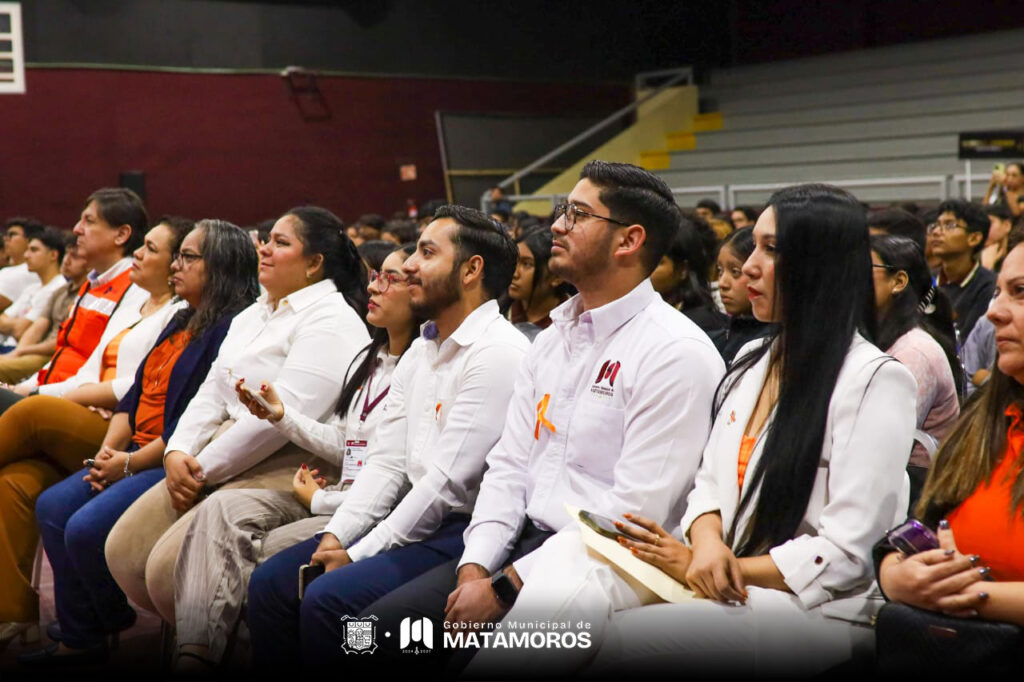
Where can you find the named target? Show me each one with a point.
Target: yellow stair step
(702, 123)
(654, 160)
(681, 141)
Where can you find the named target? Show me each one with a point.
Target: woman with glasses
(43, 438)
(915, 326)
(308, 321)
(803, 469)
(214, 273)
(248, 526)
(534, 291)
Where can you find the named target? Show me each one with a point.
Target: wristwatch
(504, 589)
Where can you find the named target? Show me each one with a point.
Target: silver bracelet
(126, 463)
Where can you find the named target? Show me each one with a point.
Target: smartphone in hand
(605, 526)
(307, 573)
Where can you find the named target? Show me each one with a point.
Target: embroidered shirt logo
(608, 373)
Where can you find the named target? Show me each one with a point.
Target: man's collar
(97, 279)
(609, 317)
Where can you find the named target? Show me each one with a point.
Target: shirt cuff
(326, 502)
(372, 544)
(487, 551)
(801, 570)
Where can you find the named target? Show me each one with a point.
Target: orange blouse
(156, 375)
(108, 364)
(984, 523)
(746, 449)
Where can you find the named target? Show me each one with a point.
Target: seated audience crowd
(684, 432)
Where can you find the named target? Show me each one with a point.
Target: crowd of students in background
(193, 412)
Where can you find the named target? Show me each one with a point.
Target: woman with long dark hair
(308, 321)
(682, 276)
(915, 326)
(803, 469)
(974, 495)
(732, 287)
(251, 525)
(534, 291)
(214, 272)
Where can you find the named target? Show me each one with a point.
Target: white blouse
(327, 439)
(300, 346)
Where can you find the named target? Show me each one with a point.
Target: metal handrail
(948, 185)
(682, 74)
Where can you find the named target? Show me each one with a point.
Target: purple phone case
(912, 537)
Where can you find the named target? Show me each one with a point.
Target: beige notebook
(651, 583)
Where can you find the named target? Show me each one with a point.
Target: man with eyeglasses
(611, 411)
(957, 237)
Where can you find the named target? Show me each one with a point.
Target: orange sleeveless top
(108, 365)
(746, 449)
(984, 523)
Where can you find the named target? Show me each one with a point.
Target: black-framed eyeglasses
(184, 258)
(572, 212)
(947, 226)
(384, 280)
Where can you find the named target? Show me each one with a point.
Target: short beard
(437, 297)
(580, 273)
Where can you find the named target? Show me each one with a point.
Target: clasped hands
(105, 468)
(184, 478)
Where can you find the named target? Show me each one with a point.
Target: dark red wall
(236, 146)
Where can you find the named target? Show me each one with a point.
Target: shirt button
(818, 559)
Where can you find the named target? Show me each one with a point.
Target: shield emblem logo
(360, 634)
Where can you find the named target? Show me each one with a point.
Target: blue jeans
(278, 621)
(74, 522)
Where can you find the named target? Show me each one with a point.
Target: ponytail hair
(323, 233)
(357, 377)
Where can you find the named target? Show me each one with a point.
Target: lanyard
(367, 405)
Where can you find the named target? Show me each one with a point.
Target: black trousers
(425, 597)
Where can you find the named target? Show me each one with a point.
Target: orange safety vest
(81, 331)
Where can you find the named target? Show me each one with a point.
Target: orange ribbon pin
(542, 408)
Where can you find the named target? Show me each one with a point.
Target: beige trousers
(142, 548)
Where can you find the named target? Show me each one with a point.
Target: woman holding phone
(803, 469)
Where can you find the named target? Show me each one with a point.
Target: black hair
(971, 214)
(374, 252)
(371, 220)
(689, 248)
(322, 232)
(263, 229)
(30, 226)
(897, 222)
(120, 206)
(179, 228)
(539, 243)
(427, 209)
(480, 235)
(70, 240)
(741, 242)
(920, 304)
(1000, 211)
(54, 240)
(231, 265)
(821, 247)
(379, 339)
(637, 196)
(749, 211)
(711, 205)
(403, 229)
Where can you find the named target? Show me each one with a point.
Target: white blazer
(860, 489)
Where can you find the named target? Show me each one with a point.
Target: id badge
(355, 457)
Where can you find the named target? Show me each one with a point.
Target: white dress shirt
(327, 440)
(39, 301)
(14, 279)
(442, 416)
(629, 388)
(858, 491)
(303, 347)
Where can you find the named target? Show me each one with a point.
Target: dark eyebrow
(392, 271)
(427, 242)
(580, 204)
